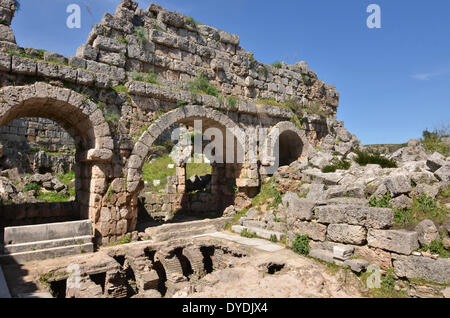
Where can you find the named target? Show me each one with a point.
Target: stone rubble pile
(333, 210)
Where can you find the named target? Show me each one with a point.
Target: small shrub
(268, 191)
(33, 186)
(432, 141)
(149, 77)
(140, 35)
(112, 116)
(120, 89)
(365, 157)
(232, 102)
(437, 247)
(247, 234)
(404, 218)
(301, 244)
(277, 64)
(337, 165)
(273, 238)
(263, 72)
(202, 84)
(122, 39)
(384, 202)
(293, 104)
(181, 103)
(191, 21)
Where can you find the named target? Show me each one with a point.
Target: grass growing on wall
(268, 192)
(199, 169)
(158, 170)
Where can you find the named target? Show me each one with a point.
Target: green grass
(149, 77)
(365, 157)
(384, 202)
(112, 116)
(191, 21)
(202, 85)
(423, 208)
(273, 238)
(68, 179)
(120, 89)
(337, 165)
(277, 64)
(301, 245)
(263, 72)
(199, 169)
(124, 240)
(270, 102)
(53, 197)
(140, 35)
(158, 170)
(387, 289)
(247, 234)
(33, 186)
(232, 102)
(437, 247)
(268, 191)
(432, 142)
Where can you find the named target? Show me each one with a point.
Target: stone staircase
(44, 241)
(259, 228)
(172, 231)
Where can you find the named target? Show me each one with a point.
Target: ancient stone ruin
(107, 114)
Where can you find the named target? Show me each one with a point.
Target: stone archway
(285, 144)
(223, 174)
(181, 115)
(82, 119)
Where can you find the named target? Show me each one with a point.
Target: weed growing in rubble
(301, 244)
(365, 157)
(202, 85)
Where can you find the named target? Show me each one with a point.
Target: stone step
(218, 223)
(171, 235)
(35, 246)
(46, 232)
(265, 234)
(55, 252)
(253, 224)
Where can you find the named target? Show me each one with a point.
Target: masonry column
(7, 37)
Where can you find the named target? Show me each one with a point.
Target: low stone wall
(38, 213)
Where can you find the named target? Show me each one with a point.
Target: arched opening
(178, 191)
(76, 121)
(38, 163)
(290, 147)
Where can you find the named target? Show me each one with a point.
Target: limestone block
(423, 267)
(349, 234)
(398, 241)
(109, 44)
(315, 231)
(7, 34)
(298, 208)
(87, 52)
(398, 184)
(443, 173)
(22, 65)
(427, 232)
(435, 161)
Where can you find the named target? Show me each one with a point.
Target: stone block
(427, 232)
(348, 234)
(423, 267)
(315, 231)
(398, 241)
(343, 253)
(398, 184)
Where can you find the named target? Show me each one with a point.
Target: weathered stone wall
(114, 116)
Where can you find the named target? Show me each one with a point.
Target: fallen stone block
(343, 253)
(443, 174)
(423, 268)
(398, 184)
(435, 161)
(398, 241)
(357, 265)
(323, 255)
(427, 232)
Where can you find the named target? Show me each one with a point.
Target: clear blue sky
(394, 82)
